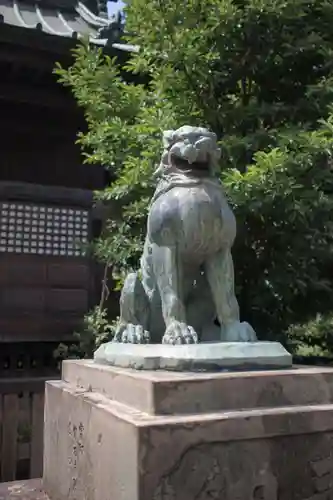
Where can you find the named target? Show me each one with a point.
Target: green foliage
(95, 330)
(247, 68)
(284, 246)
(314, 337)
(260, 74)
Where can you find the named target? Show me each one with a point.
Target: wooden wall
(42, 298)
(21, 428)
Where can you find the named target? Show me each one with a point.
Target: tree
(260, 74)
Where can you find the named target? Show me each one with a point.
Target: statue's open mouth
(197, 167)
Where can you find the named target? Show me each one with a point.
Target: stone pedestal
(120, 434)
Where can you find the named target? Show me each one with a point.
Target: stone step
(23, 490)
(177, 393)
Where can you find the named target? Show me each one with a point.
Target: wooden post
(9, 437)
(37, 429)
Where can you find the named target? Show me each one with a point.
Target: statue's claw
(239, 332)
(131, 334)
(180, 333)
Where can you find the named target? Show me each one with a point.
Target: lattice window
(44, 230)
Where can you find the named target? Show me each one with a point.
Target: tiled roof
(71, 19)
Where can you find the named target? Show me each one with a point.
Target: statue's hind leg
(220, 275)
(134, 313)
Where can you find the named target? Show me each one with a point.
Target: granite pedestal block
(120, 434)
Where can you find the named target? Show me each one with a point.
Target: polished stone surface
(195, 357)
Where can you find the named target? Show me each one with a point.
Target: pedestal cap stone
(208, 356)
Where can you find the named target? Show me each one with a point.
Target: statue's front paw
(131, 334)
(239, 332)
(180, 333)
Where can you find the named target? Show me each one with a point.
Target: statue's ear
(168, 138)
(215, 160)
(218, 154)
(163, 164)
(159, 171)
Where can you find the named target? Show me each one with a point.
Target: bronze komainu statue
(186, 277)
